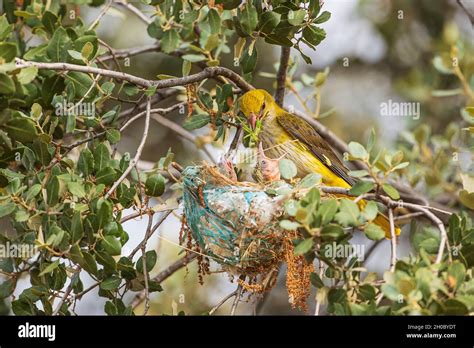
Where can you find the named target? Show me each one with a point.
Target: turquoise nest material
(235, 224)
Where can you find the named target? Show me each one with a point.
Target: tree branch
(209, 72)
(281, 75)
(393, 241)
(163, 275)
(134, 161)
(401, 204)
(469, 14)
(144, 18)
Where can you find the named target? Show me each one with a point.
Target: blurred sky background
(389, 58)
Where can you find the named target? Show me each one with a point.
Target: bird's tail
(382, 221)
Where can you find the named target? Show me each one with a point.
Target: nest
(237, 225)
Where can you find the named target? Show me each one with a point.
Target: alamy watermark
(347, 251)
(400, 109)
(75, 109)
(13, 250)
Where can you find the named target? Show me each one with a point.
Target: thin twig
(393, 241)
(401, 204)
(239, 290)
(134, 161)
(129, 52)
(469, 14)
(224, 300)
(68, 290)
(144, 18)
(144, 264)
(150, 232)
(321, 273)
(180, 131)
(164, 275)
(101, 14)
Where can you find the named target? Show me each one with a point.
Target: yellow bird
(284, 134)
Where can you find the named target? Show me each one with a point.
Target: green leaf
(110, 283)
(371, 140)
(447, 92)
(113, 135)
(101, 157)
(316, 280)
(77, 230)
(391, 191)
(214, 21)
(82, 82)
(186, 68)
(370, 211)
(49, 20)
(348, 214)
(194, 58)
(456, 274)
(374, 232)
(52, 191)
(467, 198)
(442, 66)
(6, 208)
(87, 51)
(90, 264)
(361, 187)
(42, 152)
(5, 27)
(85, 164)
(51, 267)
(7, 86)
(323, 17)
(76, 188)
(296, 17)
(455, 307)
(327, 211)
(170, 41)
(268, 21)
(310, 180)
(27, 75)
(75, 54)
(248, 18)
(56, 46)
(287, 168)
(151, 258)
(358, 151)
(111, 245)
(332, 231)
(289, 225)
(6, 288)
(155, 185)
(7, 51)
(196, 121)
(248, 60)
(33, 192)
(314, 35)
(304, 246)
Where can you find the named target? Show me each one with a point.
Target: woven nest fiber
(237, 225)
(234, 223)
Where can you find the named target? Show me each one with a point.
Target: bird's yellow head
(255, 105)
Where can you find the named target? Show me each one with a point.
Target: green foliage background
(55, 171)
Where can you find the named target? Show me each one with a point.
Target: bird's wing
(303, 132)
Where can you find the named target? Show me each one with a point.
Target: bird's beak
(252, 120)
